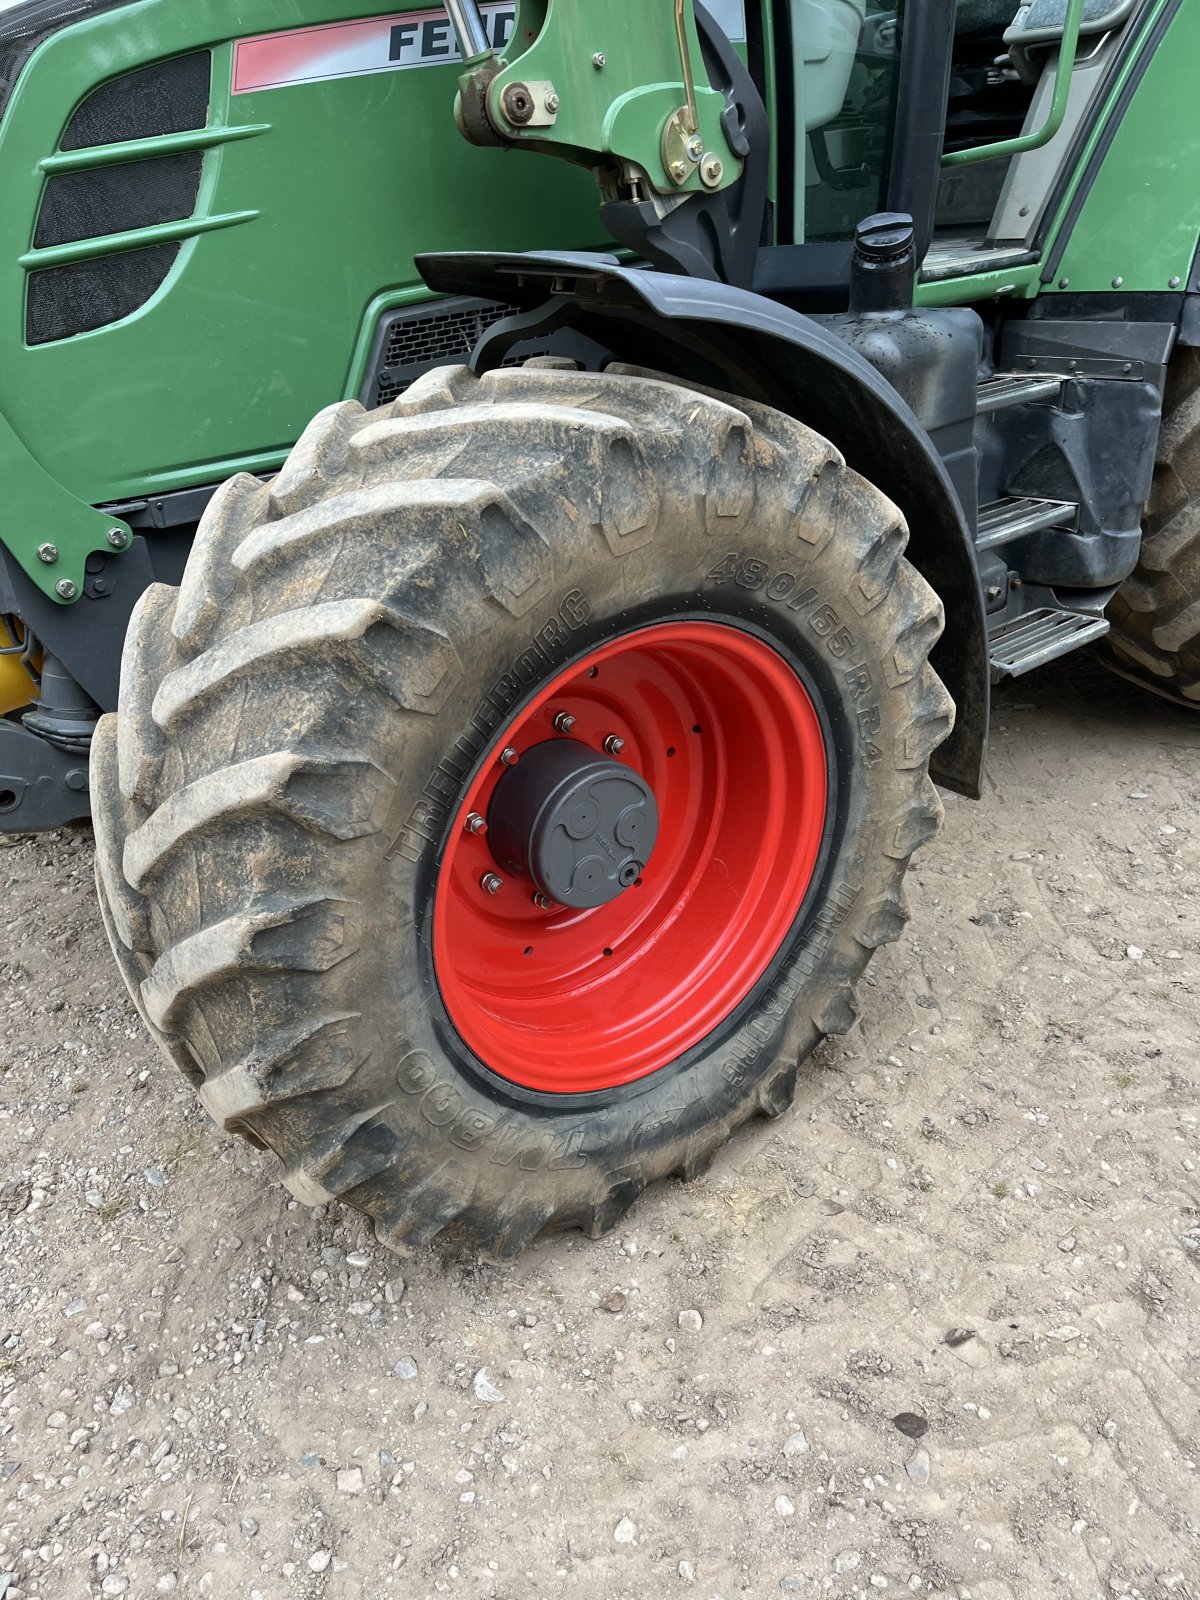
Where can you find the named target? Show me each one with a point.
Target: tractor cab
(966, 115)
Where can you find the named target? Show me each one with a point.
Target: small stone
(917, 1466)
(168, 1369)
(625, 1531)
(57, 1419)
(249, 1527)
(1067, 1245)
(167, 1582)
(784, 1507)
(358, 1259)
(485, 1390)
(1134, 952)
(155, 1177)
(986, 919)
(350, 1480)
(795, 1444)
(113, 1584)
(405, 1368)
(911, 1423)
(394, 1291)
(614, 1303)
(690, 1321)
(957, 1336)
(319, 1560)
(74, 1307)
(846, 1561)
(1109, 1430)
(687, 1572)
(878, 1581)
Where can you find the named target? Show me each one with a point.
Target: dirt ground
(209, 1390)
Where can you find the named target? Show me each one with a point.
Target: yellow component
(17, 687)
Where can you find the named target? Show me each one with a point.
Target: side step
(1015, 515)
(1039, 636)
(1014, 389)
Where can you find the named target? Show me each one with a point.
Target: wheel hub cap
(581, 827)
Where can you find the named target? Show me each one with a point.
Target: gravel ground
(934, 1333)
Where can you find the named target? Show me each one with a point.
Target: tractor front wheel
(514, 790)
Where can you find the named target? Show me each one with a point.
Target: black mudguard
(738, 341)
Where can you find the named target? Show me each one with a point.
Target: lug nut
(118, 538)
(491, 883)
(712, 170)
(475, 823)
(614, 744)
(542, 901)
(48, 553)
(65, 589)
(564, 722)
(508, 756)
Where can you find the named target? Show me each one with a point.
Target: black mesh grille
(135, 194)
(412, 342)
(167, 97)
(89, 294)
(163, 98)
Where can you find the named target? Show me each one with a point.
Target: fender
(740, 342)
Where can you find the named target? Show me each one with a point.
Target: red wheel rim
(567, 1001)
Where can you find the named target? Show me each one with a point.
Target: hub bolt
(564, 722)
(118, 538)
(48, 553)
(542, 901)
(491, 883)
(65, 589)
(508, 756)
(614, 744)
(475, 823)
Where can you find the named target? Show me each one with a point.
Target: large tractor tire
(514, 789)
(1155, 615)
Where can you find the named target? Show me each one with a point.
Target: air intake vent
(100, 195)
(89, 294)
(100, 200)
(412, 341)
(168, 97)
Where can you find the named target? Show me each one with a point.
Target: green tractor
(515, 768)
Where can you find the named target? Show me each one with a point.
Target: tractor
(501, 782)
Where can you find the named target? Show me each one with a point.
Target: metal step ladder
(1029, 641)
(1018, 389)
(1014, 515)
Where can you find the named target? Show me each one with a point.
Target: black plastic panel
(135, 194)
(167, 97)
(88, 294)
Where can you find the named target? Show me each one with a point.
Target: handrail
(1058, 104)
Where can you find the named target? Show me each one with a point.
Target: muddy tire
(1155, 614)
(280, 800)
